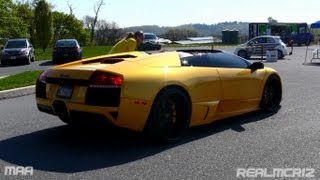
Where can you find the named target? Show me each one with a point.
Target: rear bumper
(50, 107)
(131, 115)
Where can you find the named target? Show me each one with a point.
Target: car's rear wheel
(272, 94)
(243, 54)
(280, 54)
(308, 43)
(54, 61)
(170, 115)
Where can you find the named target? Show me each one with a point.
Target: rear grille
(41, 90)
(103, 97)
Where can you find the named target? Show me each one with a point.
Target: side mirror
(256, 65)
(1, 48)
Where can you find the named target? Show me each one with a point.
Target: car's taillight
(101, 79)
(43, 76)
(75, 49)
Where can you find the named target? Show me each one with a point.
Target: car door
(241, 87)
(259, 46)
(270, 44)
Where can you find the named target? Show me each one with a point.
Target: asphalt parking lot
(286, 139)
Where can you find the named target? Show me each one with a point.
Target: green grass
(87, 52)
(27, 78)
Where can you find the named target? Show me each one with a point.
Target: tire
(308, 43)
(28, 60)
(280, 54)
(3, 63)
(243, 54)
(272, 94)
(54, 61)
(33, 58)
(67, 120)
(170, 115)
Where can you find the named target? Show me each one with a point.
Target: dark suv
(66, 50)
(16, 51)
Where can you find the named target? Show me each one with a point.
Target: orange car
(161, 94)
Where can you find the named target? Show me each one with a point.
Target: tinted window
(226, 60)
(66, 44)
(16, 44)
(259, 40)
(270, 40)
(150, 36)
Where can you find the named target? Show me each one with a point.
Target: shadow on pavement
(76, 149)
(46, 63)
(312, 64)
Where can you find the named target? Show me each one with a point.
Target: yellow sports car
(161, 94)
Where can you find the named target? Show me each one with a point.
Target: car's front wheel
(170, 115)
(272, 94)
(3, 63)
(28, 59)
(33, 58)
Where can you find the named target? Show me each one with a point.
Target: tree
(68, 26)
(88, 22)
(25, 11)
(176, 34)
(43, 24)
(70, 8)
(11, 26)
(107, 33)
(272, 21)
(96, 9)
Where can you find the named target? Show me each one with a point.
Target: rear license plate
(65, 91)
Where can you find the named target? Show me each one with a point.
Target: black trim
(63, 81)
(109, 97)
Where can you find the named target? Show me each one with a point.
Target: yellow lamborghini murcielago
(161, 94)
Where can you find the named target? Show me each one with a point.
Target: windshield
(16, 44)
(150, 36)
(66, 44)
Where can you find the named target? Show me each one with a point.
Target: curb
(13, 93)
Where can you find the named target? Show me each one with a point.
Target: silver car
(259, 45)
(17, 51)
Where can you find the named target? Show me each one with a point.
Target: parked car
(17, 51)
(150, 42)
(259, 45)
(161, 94)
(66, 50)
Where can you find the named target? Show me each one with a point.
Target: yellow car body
(137, 79)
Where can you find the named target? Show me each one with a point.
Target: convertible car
(159, 94)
